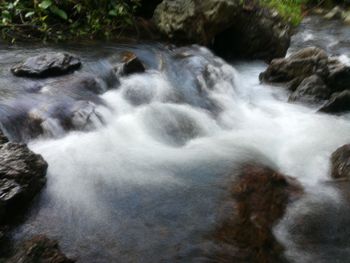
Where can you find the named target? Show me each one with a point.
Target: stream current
(146, 180)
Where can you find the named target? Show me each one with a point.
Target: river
(144, 182)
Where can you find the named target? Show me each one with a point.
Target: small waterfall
(140, 170)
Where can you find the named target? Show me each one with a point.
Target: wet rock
(313, 77)
(39, 249)
(311, 90)
(47, 65)
(340, 163)
(233, 27)
(338, 103)
(22, 175)
(298, 66)
(78, 83)
(261, 197)
(338, 77)
(3, 138)
(335, 13)
(132, 64)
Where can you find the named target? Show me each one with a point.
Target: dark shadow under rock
(232, 28)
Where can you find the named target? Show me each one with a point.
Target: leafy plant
(65, 19)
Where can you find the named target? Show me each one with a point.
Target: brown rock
(261, 196)
(340, 163)
(39, 249)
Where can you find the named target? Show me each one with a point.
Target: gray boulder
(338, 103)
(47, 65)
(311, 90)
(298, 66)
(313, 77)
(22, 175)
(228, 25)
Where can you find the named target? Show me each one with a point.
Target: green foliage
(291, 10)
(65, 19)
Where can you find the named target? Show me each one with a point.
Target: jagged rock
(298, 66)
(338, 103)
(261, 197)
(340, 163)
(22, 175)
(246, 30)
(313, 77)
(47, 65)
(338, 78)
(132, 64)
(39, 249)
(311, 90)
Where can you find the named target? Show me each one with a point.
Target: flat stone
(47, 65)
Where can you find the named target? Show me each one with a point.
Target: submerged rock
(47, 65)
(340, 163)
(261, 197)
(232, 27)
(39, 249)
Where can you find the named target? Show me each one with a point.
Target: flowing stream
(146, 181)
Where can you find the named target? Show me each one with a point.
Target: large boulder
(47, 65)
(22, 175)
(340, 163)
(39, 249)
(228, 24)
(256, 33)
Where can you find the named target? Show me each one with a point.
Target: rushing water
(146, 181)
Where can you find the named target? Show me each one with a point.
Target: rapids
(145, 182)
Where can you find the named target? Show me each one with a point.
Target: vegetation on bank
(61, 20)
(95, 19)
(292, 10)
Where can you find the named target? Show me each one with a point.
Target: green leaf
(59, 12)
(29, 14)
(113, 12)
(45, 4)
